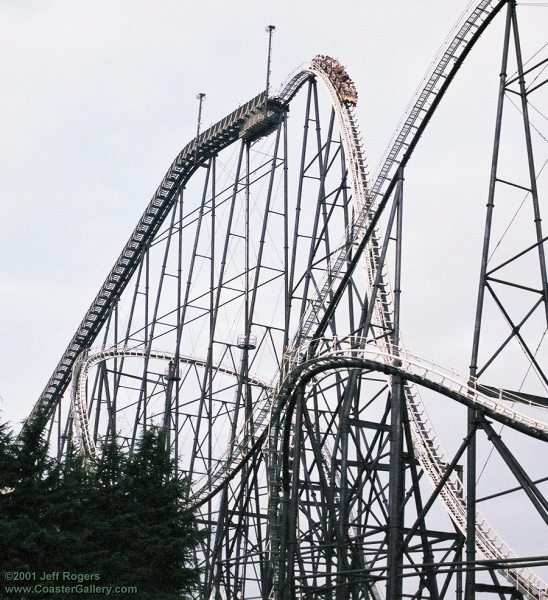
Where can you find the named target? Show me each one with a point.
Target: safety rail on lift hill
(207, 144)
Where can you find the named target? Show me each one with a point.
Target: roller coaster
(251, 314)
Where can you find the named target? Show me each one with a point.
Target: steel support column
(473, 415)
(530, 159)
(396, 489)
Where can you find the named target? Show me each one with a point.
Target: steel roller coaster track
(309, 476)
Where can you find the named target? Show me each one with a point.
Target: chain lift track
(362, 236)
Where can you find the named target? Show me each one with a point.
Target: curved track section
(434, 377)
(90, 359)
(411, 368)
(429, 451)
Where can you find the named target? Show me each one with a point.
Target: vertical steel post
(178, 320)
(113, 414)
(59, 436)
(200, 97)
(287, 290)
(459, 588)
(531, 162)
(288, 591)
(397, 282)
(308, 279)
(298, 201)
(270, 30)
(212, 589)
(396, 485)
(212, 323)
(246, 253)
(491, 197)
(473, 415)
(396, 493)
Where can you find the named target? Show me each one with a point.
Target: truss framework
(324, 477)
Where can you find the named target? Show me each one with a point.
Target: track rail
(402, 363)
(428, 374)
(427, 448)
(370, 203)
(87, 360)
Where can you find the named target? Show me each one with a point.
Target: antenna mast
(200, 97)
(270, 30)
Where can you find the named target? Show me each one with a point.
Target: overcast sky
(99, 96)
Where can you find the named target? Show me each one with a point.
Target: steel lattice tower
(251, 315)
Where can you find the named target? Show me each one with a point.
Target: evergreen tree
(165, 532)
(111, 521)
(7, 478)
(122, 517)
(26, 509)
(72, 518)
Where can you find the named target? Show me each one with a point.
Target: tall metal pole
(200, 97)
(397, 283)
(531, 162)
(246, 257)
(287, 291)
(474, 415)
(287, 591)
(491, 197)
(270, 30)
(396, 489)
